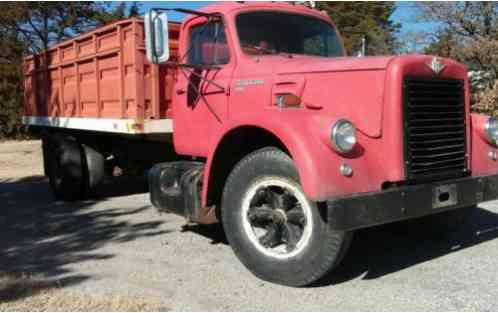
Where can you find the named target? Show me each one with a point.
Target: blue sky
(405, 12)
(406, 15)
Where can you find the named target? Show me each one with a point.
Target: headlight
(344, 136)
(492, 130)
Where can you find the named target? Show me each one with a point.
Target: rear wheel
(94, 171)
(272, 227)
(65, 167)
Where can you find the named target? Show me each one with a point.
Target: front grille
(434, 121)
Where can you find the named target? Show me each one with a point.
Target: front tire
(275, 231)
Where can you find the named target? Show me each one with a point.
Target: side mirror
(156, 37)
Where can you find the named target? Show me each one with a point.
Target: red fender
(309, 146)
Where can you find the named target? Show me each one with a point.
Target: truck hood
(345, 87)
(308, 65)
(361, 90)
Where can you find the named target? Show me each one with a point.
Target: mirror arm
(200, 94)
(203, 67)
(187, 11)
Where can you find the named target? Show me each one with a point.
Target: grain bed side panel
(100, 74)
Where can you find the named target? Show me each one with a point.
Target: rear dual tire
(275, 231)
(74, 170)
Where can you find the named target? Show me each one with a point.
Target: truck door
(201, 92)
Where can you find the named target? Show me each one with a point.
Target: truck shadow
(121, 186)
(383, 250)
(214, 232)
(42, 239)
(386, 249)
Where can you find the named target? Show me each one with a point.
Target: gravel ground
(120, 246)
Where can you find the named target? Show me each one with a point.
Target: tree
(107, 13)
(356, 20)
(468, 32)
(412, 42)
(469, 27)
(31, 27)
(10, 87)
(444, 45)
(41, 24)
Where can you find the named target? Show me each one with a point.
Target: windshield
(275, 32)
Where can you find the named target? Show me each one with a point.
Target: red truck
(251, 114)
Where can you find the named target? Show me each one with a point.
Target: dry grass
(20, 293)
(20, 159)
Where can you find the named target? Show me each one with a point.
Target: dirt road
(120, 246)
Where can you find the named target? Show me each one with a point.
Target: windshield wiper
(259, 49)
(267, 50)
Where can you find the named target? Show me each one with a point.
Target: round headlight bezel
(335, 133)
(488, 128)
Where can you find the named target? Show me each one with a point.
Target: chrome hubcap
(277, 217)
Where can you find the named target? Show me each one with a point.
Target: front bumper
(411, 201)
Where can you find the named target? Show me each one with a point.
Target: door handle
(180, 91)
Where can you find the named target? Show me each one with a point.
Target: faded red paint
(481, 163)
(366, 91)
(101, 74)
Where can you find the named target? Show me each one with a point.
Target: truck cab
(292, 145)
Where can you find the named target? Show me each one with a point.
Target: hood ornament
(436, 66)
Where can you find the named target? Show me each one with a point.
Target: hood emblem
(436, 66)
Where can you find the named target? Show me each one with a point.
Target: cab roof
(226, 7)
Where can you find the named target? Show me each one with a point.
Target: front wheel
(272, 227)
